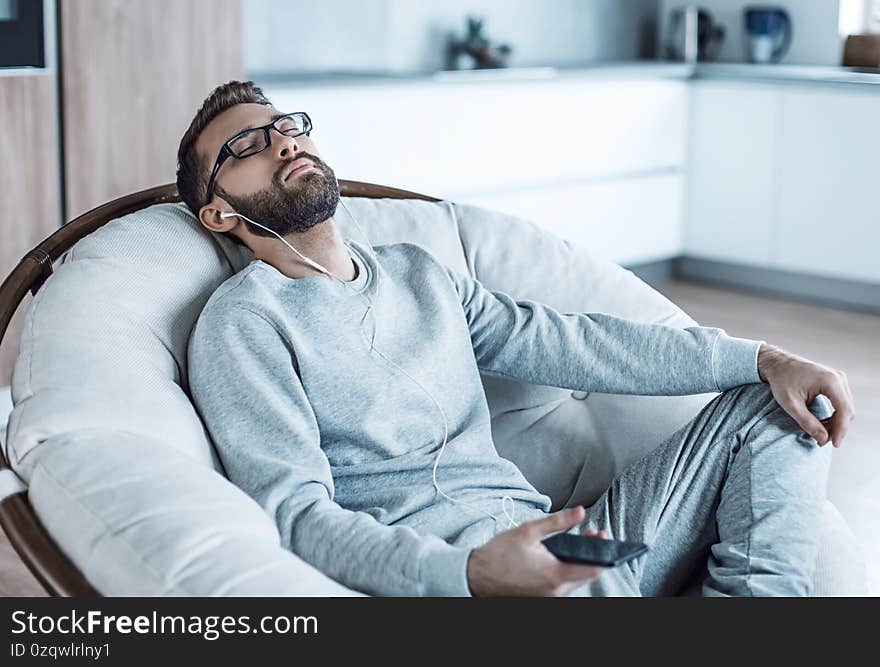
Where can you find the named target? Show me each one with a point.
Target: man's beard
(295, 206)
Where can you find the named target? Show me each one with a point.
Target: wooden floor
(846, 340)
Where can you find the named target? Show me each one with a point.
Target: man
(323, 392)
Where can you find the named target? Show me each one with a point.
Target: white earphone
(509, 515)
(313, 264)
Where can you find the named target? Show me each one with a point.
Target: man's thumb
(559, 521)
(807, 421)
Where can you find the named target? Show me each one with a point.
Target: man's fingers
(843, 411)
(805, 419)
(837, 429)
(573, 572)
(556, 522)
(794, 380)
(845, 382)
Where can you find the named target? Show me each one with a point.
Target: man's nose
(282, 145)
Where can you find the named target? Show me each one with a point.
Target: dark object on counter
(768, 33)
(862, 51)
(709, 35)
(476, 51)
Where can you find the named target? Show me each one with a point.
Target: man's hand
(516, 563)
(796, 381)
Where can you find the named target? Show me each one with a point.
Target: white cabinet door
(626, 220)
(731, 171)
(598, 162)
(829, 193)
(445, 138)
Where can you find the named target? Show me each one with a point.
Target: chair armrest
(137, 517)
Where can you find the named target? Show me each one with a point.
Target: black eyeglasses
(255, 140)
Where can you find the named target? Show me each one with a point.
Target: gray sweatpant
(735, 496)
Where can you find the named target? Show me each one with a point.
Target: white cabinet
(731, 172)
(779, 176)
(455, 138)
(597, 160)
(630, 220)
(785, 177)
(829, 183)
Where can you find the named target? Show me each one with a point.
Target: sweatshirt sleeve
(244, 381)
(595, 352)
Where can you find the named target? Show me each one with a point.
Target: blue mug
(768, 32)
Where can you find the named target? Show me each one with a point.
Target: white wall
(410, 35)
(281, 36)
(859, 16)
(815, 38)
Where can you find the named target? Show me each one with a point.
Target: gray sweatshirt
(338, 446)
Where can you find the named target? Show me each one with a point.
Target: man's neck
(322, 244)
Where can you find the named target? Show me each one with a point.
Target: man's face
(262, 186)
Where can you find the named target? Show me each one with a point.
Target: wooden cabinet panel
(29, 181)
(134, 73)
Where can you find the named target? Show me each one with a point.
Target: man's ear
(210, 216)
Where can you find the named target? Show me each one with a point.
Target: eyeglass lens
(253, 141)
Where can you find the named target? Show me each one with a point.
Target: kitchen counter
(800, 74)
(633, 70)
(787, 73)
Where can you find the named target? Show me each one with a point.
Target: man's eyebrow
(251, 127)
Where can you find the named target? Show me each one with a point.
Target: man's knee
(740, 407)
(758, 396)
(759, 413)
(758, 399)
(771, 425)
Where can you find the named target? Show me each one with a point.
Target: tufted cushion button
(579, 395)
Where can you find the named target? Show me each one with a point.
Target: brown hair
(192, 171)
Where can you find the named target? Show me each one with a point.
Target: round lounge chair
(123, 493)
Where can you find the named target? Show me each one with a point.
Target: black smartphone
(590, 550)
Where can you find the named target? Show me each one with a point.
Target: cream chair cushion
(121, 470)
